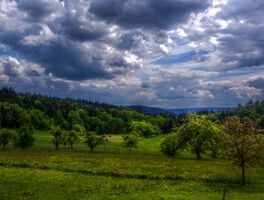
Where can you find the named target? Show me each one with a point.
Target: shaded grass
(39, 184)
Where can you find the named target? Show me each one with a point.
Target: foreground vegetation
(76, 149)
(114, 171)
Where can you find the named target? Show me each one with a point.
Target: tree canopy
(242, 143)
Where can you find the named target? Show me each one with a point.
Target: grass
(116, 172)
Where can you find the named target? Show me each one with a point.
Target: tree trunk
(224, 194)
(57, 147)
(198, 153)
(3, 146)
(71, 146)
(243, 172)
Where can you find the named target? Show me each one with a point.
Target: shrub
(24, 137)
(131, 139)
(169, 145)
(5, 137)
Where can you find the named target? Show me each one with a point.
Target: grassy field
(116, 172)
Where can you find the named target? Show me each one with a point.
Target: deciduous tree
(92, 140)
(242, 143)
(57, 137)
(5, 136)
(24, 137)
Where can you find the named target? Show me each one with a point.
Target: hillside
(45, 112)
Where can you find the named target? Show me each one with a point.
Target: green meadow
(114, 171)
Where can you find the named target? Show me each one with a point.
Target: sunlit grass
(114, 171)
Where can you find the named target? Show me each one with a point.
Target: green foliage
(199, 133)
(71, 137)
(78, 128)
(253, 110)
(74, 118)
(144, 129)
(92, 140)
(242, 143)
(24, 137)
(115, 126)
(131, 139)
(9, 114)
(39, 120)
(169, 145)
(5, 137)
(24, 119)
(42, 112)
(57, 137)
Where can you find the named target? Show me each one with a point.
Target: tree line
(43, 112)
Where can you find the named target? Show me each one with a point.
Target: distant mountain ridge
(206, 109)
(156, 110)
(149, 110)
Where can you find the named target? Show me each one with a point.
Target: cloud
(61, 48)
(146, 14)
(245, 91)
(37, 10)
(233, 33)
(256, 81)
(170, 53)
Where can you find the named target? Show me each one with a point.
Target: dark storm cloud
(76, 23)
(65, 46)
(238, 28)
(244, 46)
(73, 61)
(79, 30)
(256, 82)
(146, 14)
(145, 85)
(37, 9)
(130, 40)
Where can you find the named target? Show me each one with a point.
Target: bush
(24, 137)
(169, 145)
(5, 137)
(131, 139)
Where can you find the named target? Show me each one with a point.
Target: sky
(162, 53)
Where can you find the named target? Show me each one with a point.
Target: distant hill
(204, 109)
(156, 110)
(150, 110)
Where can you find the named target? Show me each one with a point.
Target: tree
(199, 133)
(57, 137)
(92, 140)
(242, 143)
(74, 118)
(144, 128)
(5, 137)
(25, 119)
(169, 145)
(71, 137)
(24, 137)
(39, 120)
(131, 139)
